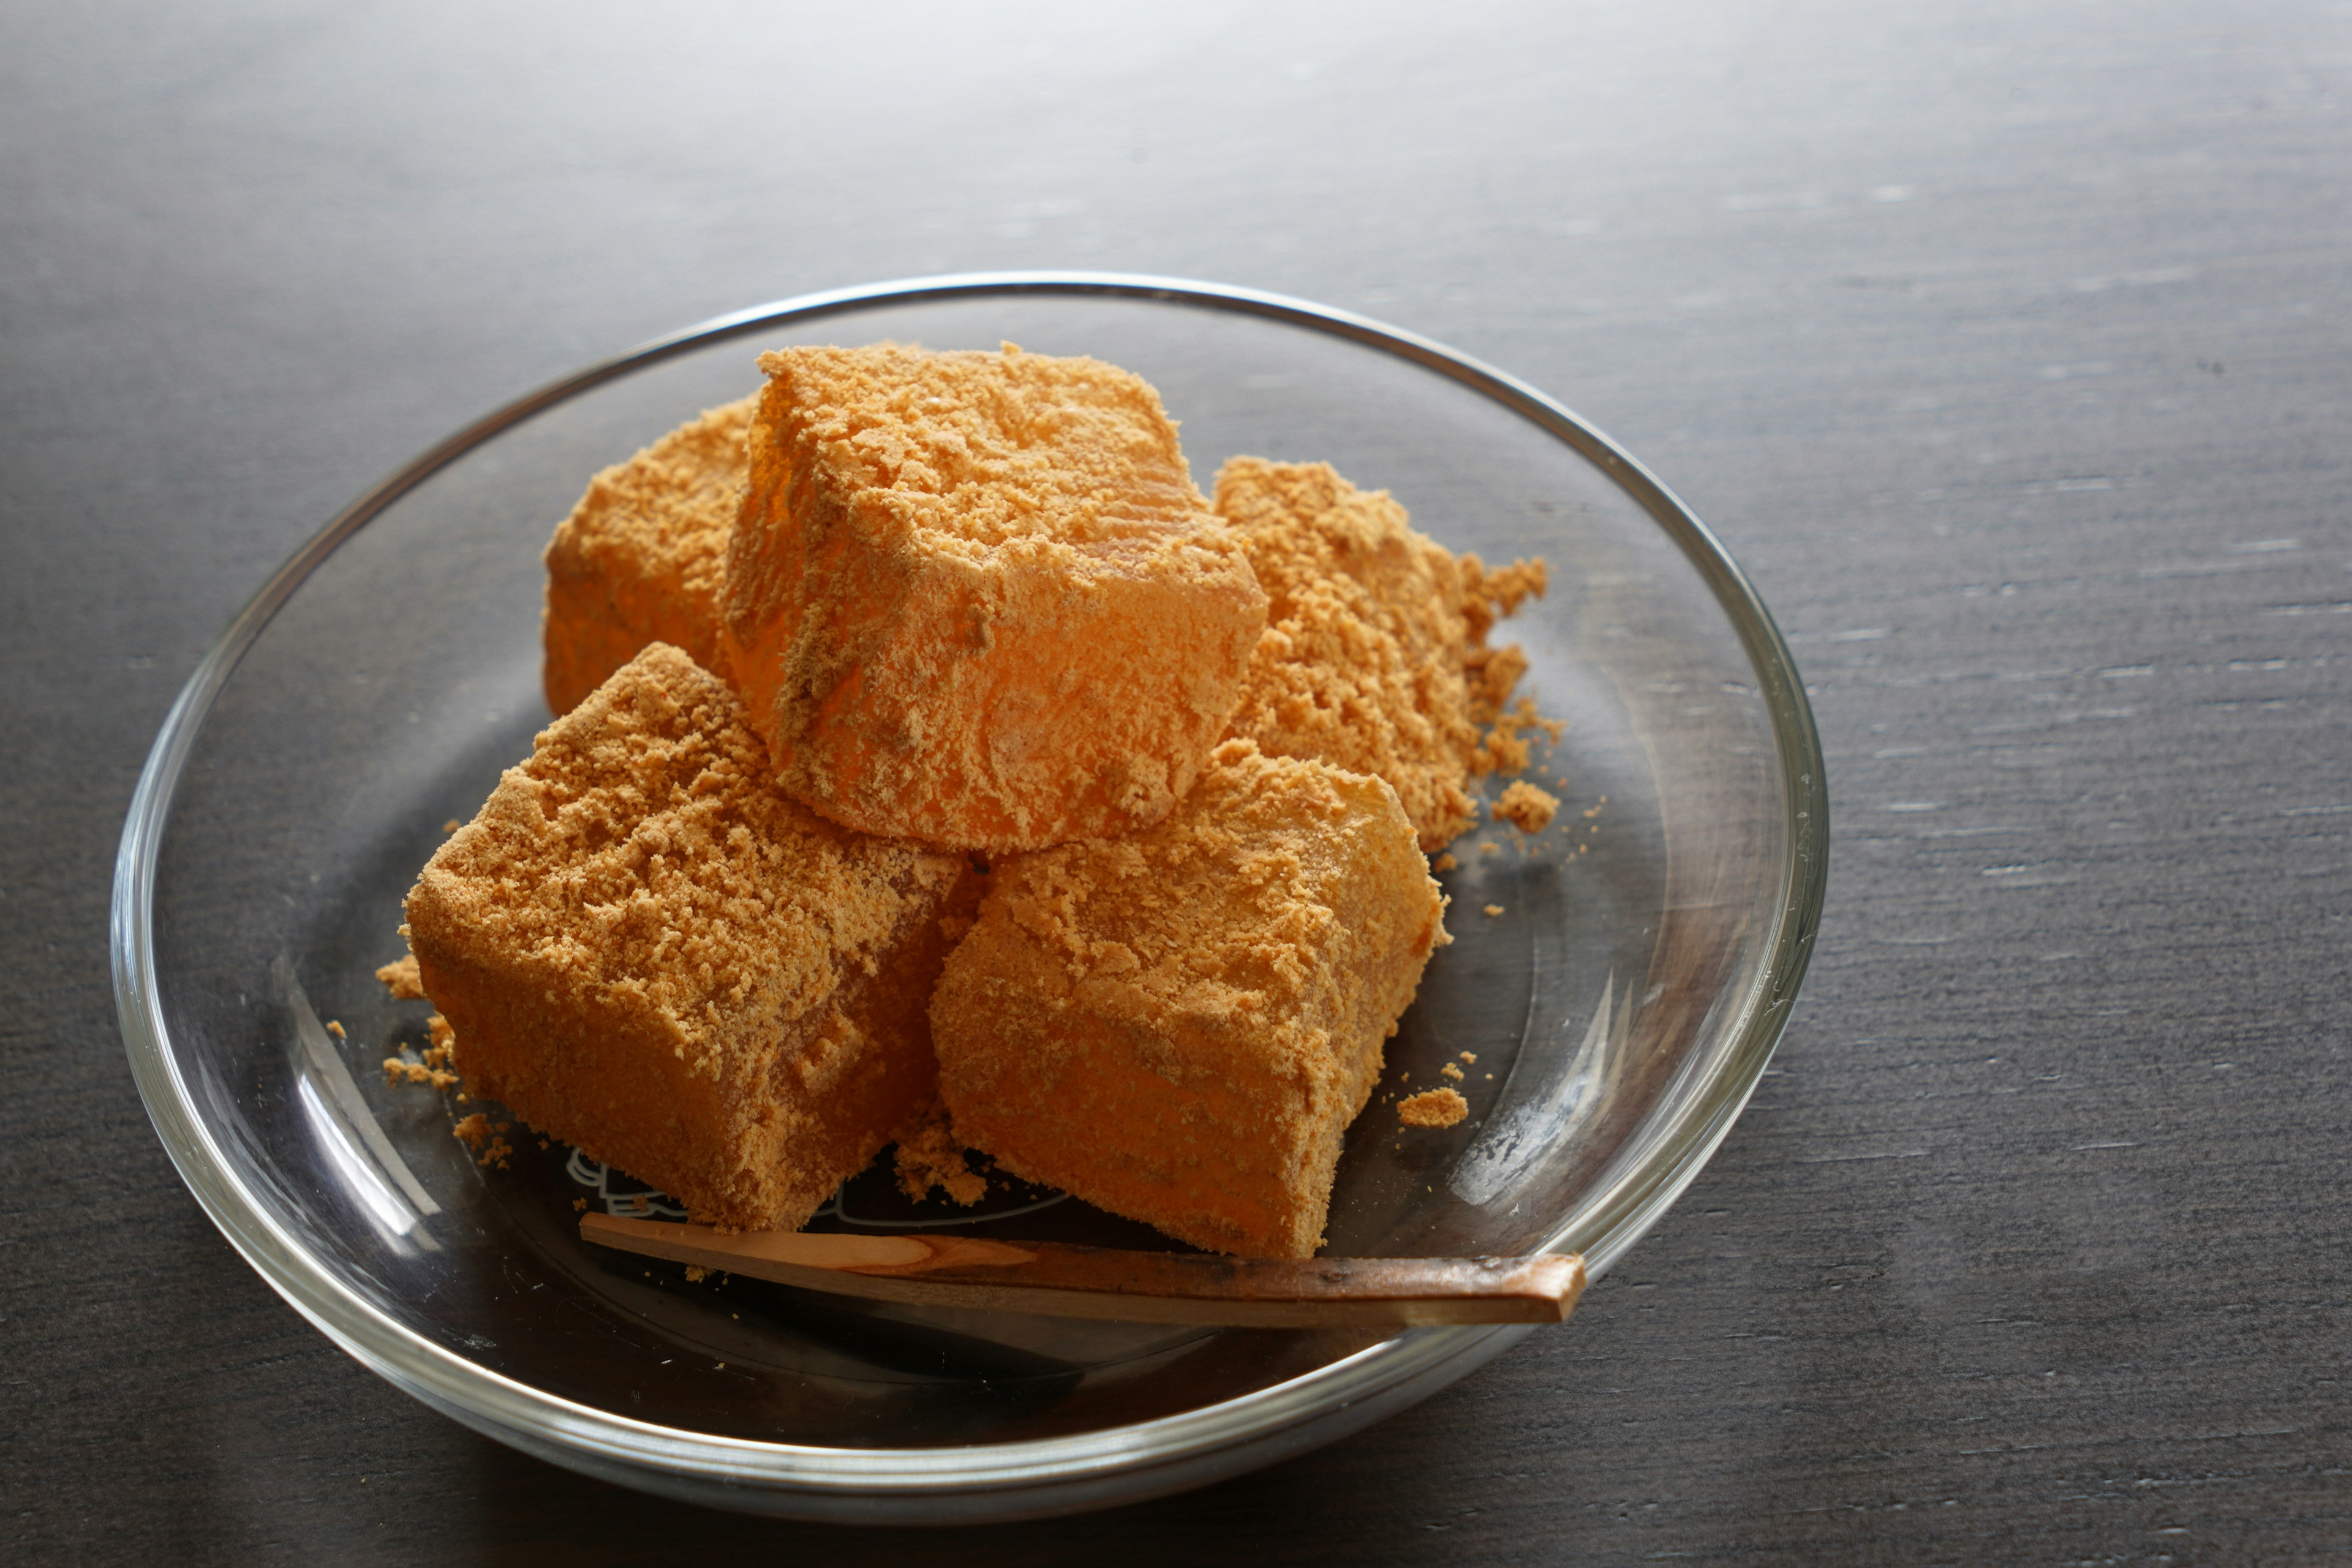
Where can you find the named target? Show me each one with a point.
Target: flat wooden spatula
(1132, 1287)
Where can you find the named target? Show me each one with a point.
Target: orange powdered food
(1526, 807)
(1374, 656)
(399, 977)
(931, 1156)
(1179, 1027)
(642, 557)
(650, 953)
(1433, 1107)
(975, 599)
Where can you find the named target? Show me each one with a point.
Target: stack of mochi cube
(924, 737)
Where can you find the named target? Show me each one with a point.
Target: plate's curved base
(1001, 1502)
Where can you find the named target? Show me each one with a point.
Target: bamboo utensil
(1057, 1280)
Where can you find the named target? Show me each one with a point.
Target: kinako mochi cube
(641, 558)
(1179, 1027)
(975, 599)
(648, 951)
(1373, 658)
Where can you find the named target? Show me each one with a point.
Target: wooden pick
(1060, 1281)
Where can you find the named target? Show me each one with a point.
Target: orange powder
(974, 598)
(1178, 1027)
(648, 951)
(1433, 1107)
(1374, 656)
(641, 558)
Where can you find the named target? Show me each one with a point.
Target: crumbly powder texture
(1526, 807)
(929, 1156)
(1179, 1025)
(401, 1070)
(400, 978)
(642, 557)
(1374, 656)
(487, 1139)
(651, 952)
(1433, 1107)
(974, 598)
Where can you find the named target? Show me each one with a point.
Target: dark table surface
(2008, 345)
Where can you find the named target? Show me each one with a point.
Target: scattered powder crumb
(402, 980)
(1433, 1108)
(1469, 1056)
(721, 1367)
(579, 1205)
(1504, 750)
(335, 1027)
(1490, 674)
(1450, 1072)
(473, 1132)
(436, 1070)
(545, 1144)
(451, 825)
(1444, 863)
(1526, 807)
(929, 1156)
(696, 1274)
(1488, 847)
(1507, 587)
(1493, 909)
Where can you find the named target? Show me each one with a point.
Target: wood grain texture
(1118, 1286)
(2006, 344)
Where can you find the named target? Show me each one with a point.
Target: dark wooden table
(2009, 344)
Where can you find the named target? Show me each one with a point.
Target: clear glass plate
(1620, 1006)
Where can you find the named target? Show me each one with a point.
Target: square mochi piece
(641, 557)
(1179, 1027)
(647, 950)
(975, 599)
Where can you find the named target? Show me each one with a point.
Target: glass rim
(1366, 1384)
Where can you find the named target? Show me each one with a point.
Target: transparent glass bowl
(1620, 1006)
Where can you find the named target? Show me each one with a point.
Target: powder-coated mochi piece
(641, 557)
(648, 950)
(975, 599)
(1373, 657)
(1179, 1027)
